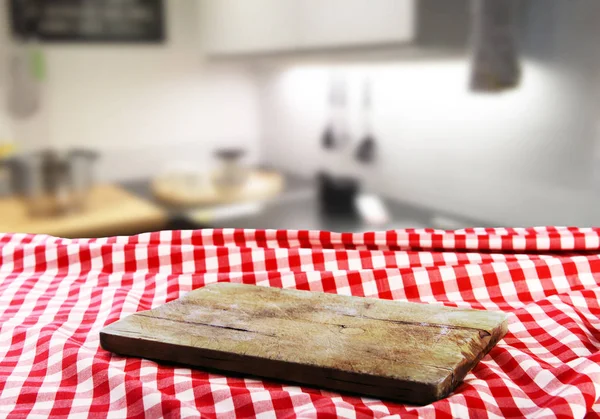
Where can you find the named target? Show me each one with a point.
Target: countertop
(297, 207)
(110, 211)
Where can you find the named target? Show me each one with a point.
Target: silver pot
(232, 173)
(52, 182)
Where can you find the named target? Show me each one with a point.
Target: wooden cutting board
(110, 210)
(415, 353)
(260, 186)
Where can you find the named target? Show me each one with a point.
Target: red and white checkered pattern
(56, 295)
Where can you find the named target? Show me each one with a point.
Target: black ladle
(365, 151)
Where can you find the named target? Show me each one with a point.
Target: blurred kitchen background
(126, 116)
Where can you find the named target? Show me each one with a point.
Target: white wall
(5, 123)
(520, 158)
(143, 105)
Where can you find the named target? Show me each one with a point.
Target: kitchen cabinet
(267, 26)
(250, 26)
(346, 23)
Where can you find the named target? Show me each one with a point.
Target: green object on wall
(37, 64)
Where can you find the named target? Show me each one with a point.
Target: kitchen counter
(110, 211)
(297, 207)
(293, 185)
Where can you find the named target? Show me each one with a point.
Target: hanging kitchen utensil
(328, 140)
(365, 152)
(335, 135)
(343, 137)
(27, 64)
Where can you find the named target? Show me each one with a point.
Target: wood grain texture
(416, 353)
(110, 210)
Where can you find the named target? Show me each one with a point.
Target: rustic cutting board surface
(416, 353)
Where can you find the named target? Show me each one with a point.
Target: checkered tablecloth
(56, 295)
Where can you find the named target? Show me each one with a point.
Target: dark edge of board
(329, 378)
(332, 379)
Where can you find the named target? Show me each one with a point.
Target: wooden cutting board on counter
(415, 353)
(259, 186)
(110, 210)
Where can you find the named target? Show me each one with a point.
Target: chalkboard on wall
(89, 20)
